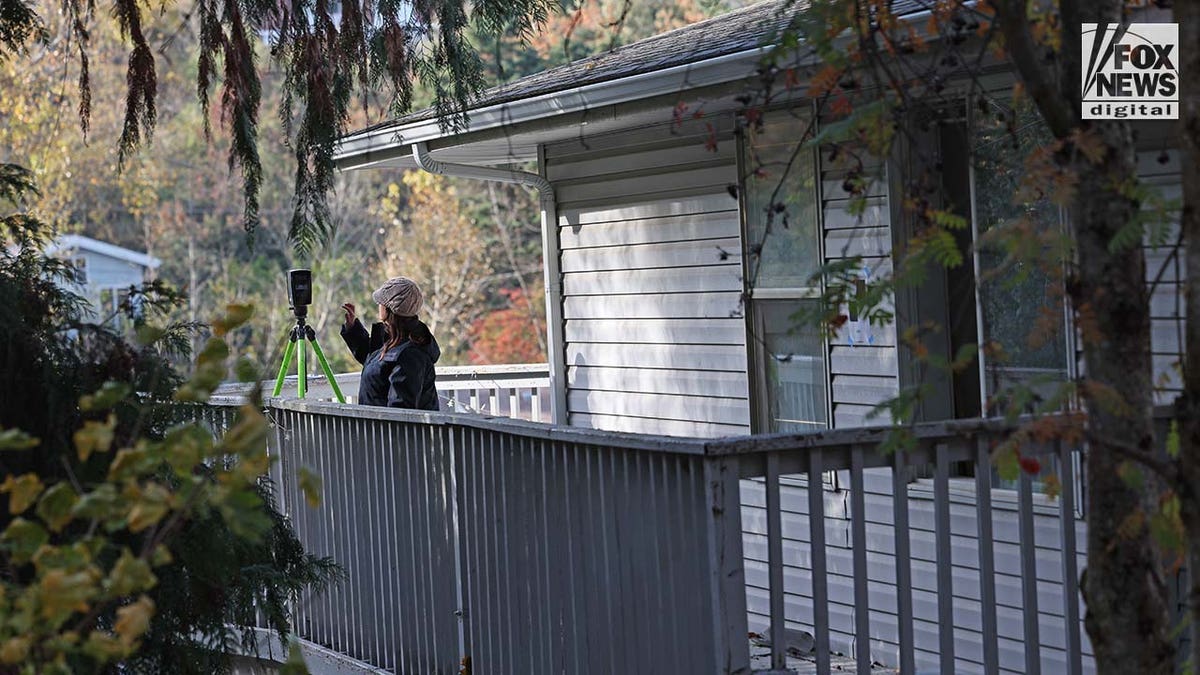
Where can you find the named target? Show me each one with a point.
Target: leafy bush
(132, 534)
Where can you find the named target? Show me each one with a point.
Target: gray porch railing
(525, 548)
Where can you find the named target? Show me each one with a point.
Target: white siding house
(660, 322)
(105, 273)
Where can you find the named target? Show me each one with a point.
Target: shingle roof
(737, 31)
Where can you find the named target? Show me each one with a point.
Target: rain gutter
(550, 256)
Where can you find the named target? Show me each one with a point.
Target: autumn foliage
(510, 335)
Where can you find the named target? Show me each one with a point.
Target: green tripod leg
(325, 367)
(302, 371)
(287, 361)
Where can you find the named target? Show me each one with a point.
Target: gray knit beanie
(399, 294)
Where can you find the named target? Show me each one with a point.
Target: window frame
(755, 298)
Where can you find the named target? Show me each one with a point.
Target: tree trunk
(1127, 616)
(1187, 15)
(1126, 599)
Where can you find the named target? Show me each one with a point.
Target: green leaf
(295, 664)
(109, 394)
(131, 463)
(1007, 462)
(161, 556)
(247, 370)
(310, 484)
(948, 219)
(1173, 440)
(100, 504)
(1166, 526)
(129, 575)
(23, 538)
(148, 335)
(1131, 475)
(23, 491)
(15, 439)
(215, 350)
(248, 435)
(55, 506)
(186, 446)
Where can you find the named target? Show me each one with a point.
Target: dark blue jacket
(402, 377)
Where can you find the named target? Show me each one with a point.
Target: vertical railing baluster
(904, 607)
(726, 569)
(816, 530)
(1066, 514)
(858, 526)
(987, 561)
(1029, 606)
(775, 564)
(945, 569)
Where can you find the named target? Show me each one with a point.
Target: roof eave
(368, 147)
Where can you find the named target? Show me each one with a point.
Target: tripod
(304, 333)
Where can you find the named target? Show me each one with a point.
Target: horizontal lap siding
(1166, 301)
(863, 374)
(881, 573)
(651, 271)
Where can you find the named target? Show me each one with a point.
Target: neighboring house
(654, 327)
(104, 274)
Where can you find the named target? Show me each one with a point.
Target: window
(81, 270)
(1021, 303)
(114, 307)
(783, 254)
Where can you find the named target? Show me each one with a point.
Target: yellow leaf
(103, 647)
(153, 503)
(24, 491)
(15, 439)
(64, 593)
(94, 437)
(235, 315)
(310, 484)
(133, 620)
(14, 650)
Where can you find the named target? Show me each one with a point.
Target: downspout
(550, 254)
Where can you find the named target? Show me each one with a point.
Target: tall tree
(332, 56)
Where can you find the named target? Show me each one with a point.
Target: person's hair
(401, 328)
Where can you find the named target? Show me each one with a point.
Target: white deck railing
(527, 548)
(519, 391)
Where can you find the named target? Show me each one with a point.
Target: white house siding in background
(1167, 309)
(651, 277)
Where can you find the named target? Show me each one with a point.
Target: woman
(399, 352)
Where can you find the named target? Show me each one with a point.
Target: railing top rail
(502, 371)
(926, 434)
(577, 435)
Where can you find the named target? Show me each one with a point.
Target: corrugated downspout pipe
(554, 332)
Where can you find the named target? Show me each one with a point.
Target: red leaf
(1030, 465)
